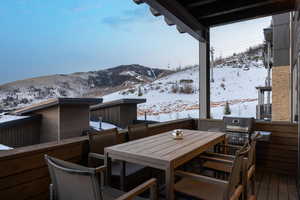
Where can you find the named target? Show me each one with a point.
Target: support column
(298, 99)
(204, 79)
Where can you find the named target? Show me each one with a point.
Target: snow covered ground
(166, 101)
(7, 118)
(4, 147)
(104, 126)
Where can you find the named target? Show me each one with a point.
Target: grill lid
(238, 124)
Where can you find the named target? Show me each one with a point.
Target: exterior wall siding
(73, 120)
(296, 61)
(111, 114)
(23, 132)
(281, 93)
(50, 125)
(120, 115)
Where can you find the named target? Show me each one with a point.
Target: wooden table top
(163, 148)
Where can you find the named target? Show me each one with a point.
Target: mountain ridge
(92, 83)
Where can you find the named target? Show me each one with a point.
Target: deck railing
(264, 111)
(280, 154)
(24, 175)
(23, 171)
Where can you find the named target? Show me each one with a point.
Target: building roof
(117, 102)
(264, 88)
(58, 101)
(195, 16)
(13, 121)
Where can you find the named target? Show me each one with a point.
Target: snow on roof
(8, 118)
(3, 147)
(104, 125)
(58, 101)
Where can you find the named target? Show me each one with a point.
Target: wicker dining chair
(123, 173)
(70, 181)
(138, 131)
(204, 187)
(98, 140)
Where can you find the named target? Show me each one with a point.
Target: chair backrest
(72, 181)
(252, 151)
(100, 139)
(138, 131)
(236, 175)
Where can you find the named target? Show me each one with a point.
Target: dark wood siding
(120, 115)
(22, 132)
(111, 115)
(23, 172)
(278, 155)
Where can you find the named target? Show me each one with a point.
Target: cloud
(86, 7)
(116, 21)
(128, 16)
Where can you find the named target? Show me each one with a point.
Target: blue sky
(41, 37)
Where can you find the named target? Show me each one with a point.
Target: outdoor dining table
(164, 152)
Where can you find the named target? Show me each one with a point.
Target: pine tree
(140, 93)
(227, 110)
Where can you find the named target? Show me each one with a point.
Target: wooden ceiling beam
(224, 11)
(177, 14)
(198, 3)
(226, 7)
(247, 14)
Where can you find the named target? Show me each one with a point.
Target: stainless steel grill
(238, 129)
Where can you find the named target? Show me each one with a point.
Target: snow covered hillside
(176, 96)
(94, 83)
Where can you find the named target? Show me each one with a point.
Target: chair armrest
(231, 146)
(215, 159)
(237, 193)
(251, 172)
(96, 155)
(100, 169)
(220, 155)
(150, 184)
(198, 177)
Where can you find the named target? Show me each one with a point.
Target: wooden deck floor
(276, 187)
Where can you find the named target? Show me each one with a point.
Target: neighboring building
(295, 63)
(62, 118)
(284, 101)
(281, 71)
(121, 113)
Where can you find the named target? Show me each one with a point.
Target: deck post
(298, 98)
(204, 78)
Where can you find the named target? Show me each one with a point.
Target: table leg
(107, 163)
(122, 176)
(170, 183)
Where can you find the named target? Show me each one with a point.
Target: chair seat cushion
(199, 189)
(112, 193)
(131, 168)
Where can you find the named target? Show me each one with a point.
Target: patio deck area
(273, 186)
(276, 161)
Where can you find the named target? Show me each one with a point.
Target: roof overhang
(117, 103)
(196, 16)
(175, 14)
(56, 102)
